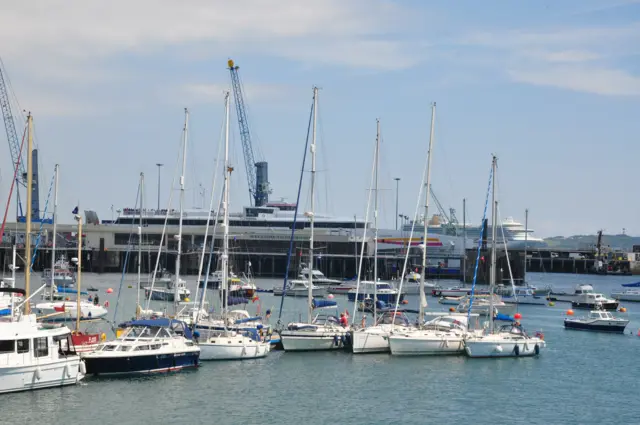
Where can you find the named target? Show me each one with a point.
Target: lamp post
(397, 179)
(159, 166)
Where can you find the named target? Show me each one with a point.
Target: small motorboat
(450, 300)
(597, 321)
(593, 301)
(299, 288)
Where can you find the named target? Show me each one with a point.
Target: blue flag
(75, 211)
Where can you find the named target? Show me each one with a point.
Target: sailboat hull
(312, 341)
(490, 346)
(369, 341)
(233, 348)
(423, 345)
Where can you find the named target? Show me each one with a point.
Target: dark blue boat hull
(148, 363)
(386, 298)
(595, 328)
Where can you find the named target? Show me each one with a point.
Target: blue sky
(552, 88)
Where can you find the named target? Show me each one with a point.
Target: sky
(551, 88)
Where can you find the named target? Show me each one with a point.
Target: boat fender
(516, 350)
(536, 349)
(83, 368)
(38, 373)
(336, 340)
(67, 371)
(103, 337)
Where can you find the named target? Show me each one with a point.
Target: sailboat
(60, 274)
(373, 339)
(230, 344)
(34, 355)
(322, 332)
(510, 340)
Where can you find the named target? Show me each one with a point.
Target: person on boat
(363, 322)
(343, 320)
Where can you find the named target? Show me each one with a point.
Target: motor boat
(234, 345)
(299, 288)
(523, 295)
(383, 291)
(442, 335)
(456, 291)
(482, 303)
(510, 341)
(567, 296)
(318, 277)
(374, 339)
(35, 355)
(163, 278)
(594, 301)
(166, 291)
(597, 321)
(411, 285)
(242, 288)
(450, 300)
(343, 287)
(67, 311)
(145, 346)
(215, 279)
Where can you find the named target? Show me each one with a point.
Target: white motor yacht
(523, 295)
(318, 277)
(627, 295)
(299, 288)
(442, 335)
(166, 291)
(593, 301)
(568, 296)
(34, 356)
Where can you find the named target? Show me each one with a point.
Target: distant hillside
(623, 242)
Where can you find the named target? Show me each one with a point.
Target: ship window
(40, 347)
(23, 346)
(7, 346)
(141, 348)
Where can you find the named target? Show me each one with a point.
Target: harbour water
(581, 378)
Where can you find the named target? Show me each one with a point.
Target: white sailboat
(373, 339)
(510, 340)
(320, 332)
(34, 355)
(230, 344)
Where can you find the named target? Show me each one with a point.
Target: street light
(397, 179)
(159, 166)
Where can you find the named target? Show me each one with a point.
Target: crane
(14, 149)
(257, 172)
(451, 220)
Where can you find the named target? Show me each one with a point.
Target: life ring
(536, 349)
(516, 350)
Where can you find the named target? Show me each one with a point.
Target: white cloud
(579, 59)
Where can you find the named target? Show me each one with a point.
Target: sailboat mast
(139, 247)
(375, 225)
(27, 231)
(79, 272)
(55, 234)
(176, 298)
(492, 276)
(526, 233)
(423, 298)
(13, 277)
(225, 217)
(312, 212)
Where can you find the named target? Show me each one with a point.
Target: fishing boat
(33, 355)
(568, 296)
(145, 346)
(318, 277)
(439, 336)
(626, 295)
(322, 332)
(510, 340)
(597, 321)
(299, 288)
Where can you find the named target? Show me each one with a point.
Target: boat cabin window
(8, 346)
(141, 348)
(110, 347)
(23, 346)
(124, 348)
(164, 333)
(155, 346)
(41, 347)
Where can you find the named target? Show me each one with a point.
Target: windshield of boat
(390, 318)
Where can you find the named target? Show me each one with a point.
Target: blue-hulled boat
(146, 346)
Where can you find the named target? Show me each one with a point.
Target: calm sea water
(581, 378)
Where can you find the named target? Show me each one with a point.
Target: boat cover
(631, 285)
(323, 303)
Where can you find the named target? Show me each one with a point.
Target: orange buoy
(623, 309)
(451, 309)
(405, 302)
(109, 291)
(517, 316)
(569, 312)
